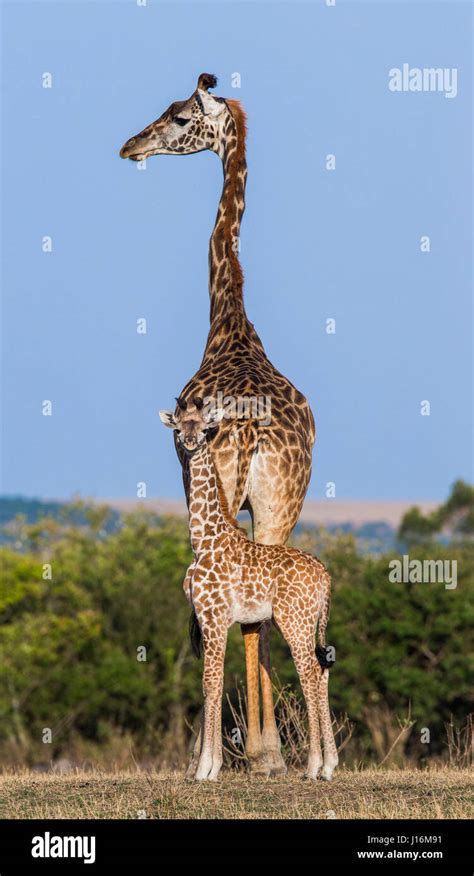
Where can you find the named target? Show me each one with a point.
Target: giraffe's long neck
(225, 273)
(206, 519)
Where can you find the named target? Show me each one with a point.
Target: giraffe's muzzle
(131, 149)
(148, 142)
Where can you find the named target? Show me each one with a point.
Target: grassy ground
(444, 793)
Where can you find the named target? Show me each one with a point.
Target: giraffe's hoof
(311, 777)
(259, 771)
(276, 763)
(191, 771)
(279, 770)
(205, 779)
(313, 771)
(258, 766)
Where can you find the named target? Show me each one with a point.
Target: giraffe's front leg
(210, 759)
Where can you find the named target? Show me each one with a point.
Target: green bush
(68, 644)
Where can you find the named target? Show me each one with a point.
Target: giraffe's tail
(325, 653)
(325, 656)
(248, 440)
(195, 634)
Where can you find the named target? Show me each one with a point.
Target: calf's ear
(168, 418)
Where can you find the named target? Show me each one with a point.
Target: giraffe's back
(270, 579)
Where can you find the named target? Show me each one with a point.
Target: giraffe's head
(193, 423)
(186, 126)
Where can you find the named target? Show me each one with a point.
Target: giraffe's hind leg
(325, 661)
(271, 742)
(331, 758)
(253, 745)
(300, 637)
(308, 671)
(263, 748)
(268, 528)
(192, 766)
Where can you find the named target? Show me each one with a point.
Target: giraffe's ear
(168, 418)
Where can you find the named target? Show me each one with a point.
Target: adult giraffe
(264, 462)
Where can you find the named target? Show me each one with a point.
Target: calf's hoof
(312, 776)
(327, 773)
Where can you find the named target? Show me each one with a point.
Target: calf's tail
(195, 634)
(325, 653)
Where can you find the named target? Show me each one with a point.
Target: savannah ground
(370, 793)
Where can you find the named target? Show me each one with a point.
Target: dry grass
(437, 794)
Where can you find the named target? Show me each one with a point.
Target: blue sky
(315, 244)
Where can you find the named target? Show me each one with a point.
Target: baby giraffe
(235, 580)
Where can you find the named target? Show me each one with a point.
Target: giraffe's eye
(181, 122)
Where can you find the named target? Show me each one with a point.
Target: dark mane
(240, 119)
